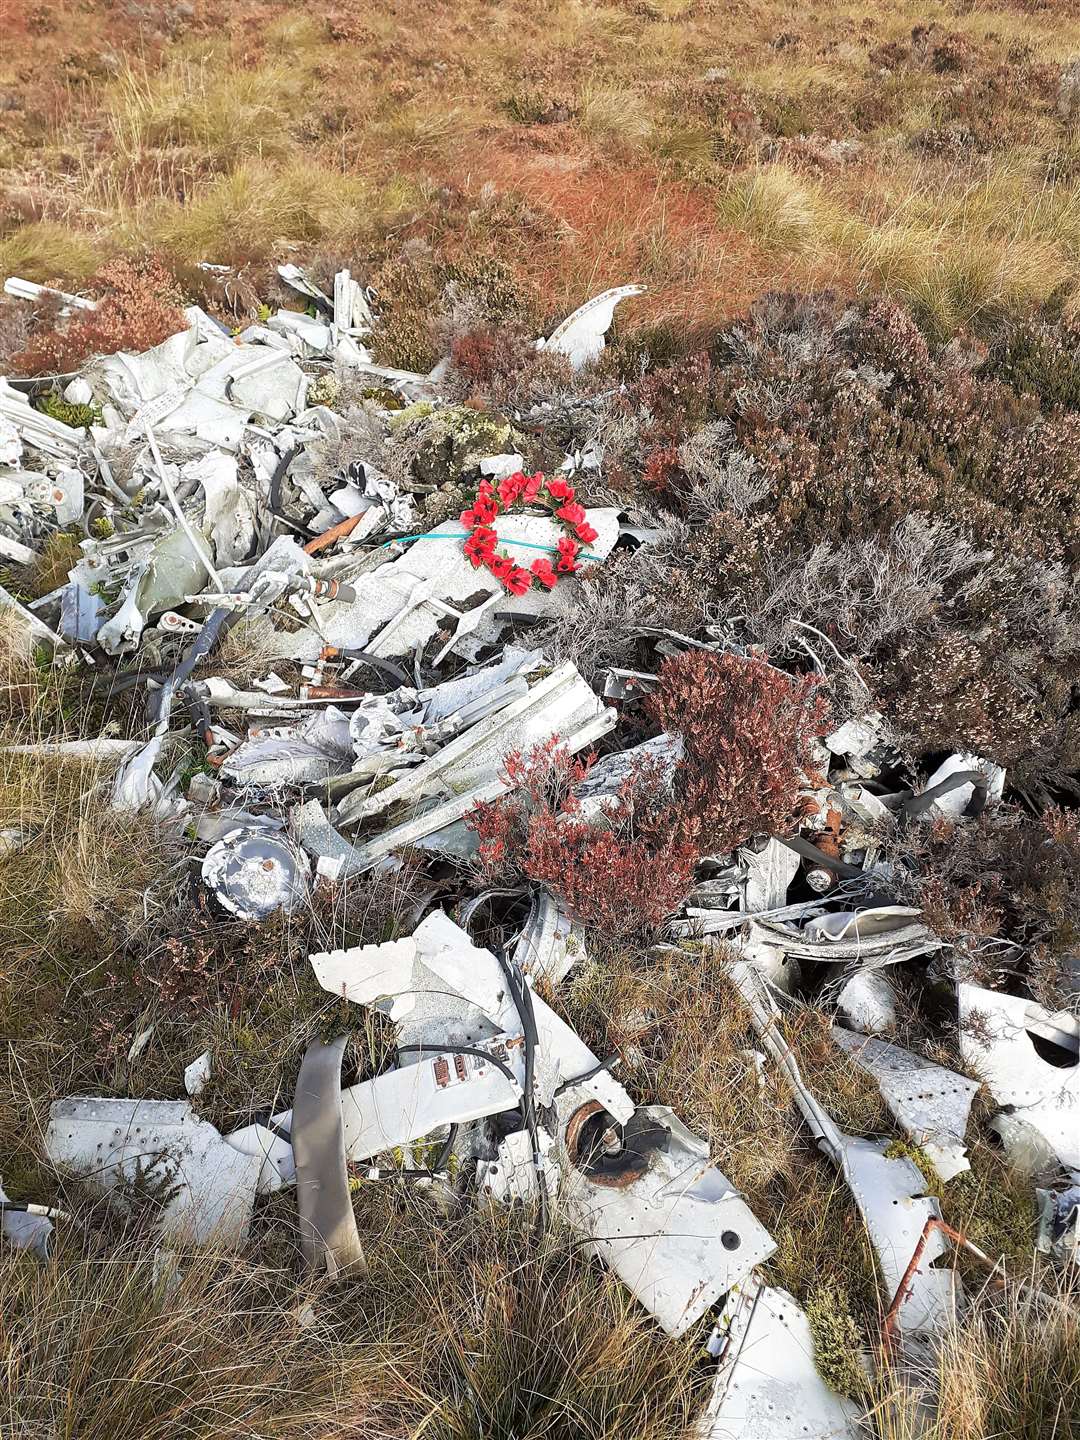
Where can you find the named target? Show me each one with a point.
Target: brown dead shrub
(140, 306)
(747, 728)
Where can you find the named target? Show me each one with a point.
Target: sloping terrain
(660, 709)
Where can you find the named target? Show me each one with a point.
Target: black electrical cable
(117, 684)
(266, 1121)
(24, 1207)
(588, 1075)
(274, 502)
(198, 710)
(216, 623)
(522, 998)
(440, 1161)
(380, 663)
(810, 851)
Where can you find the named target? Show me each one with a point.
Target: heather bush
(138, 306)
(621, 871)
(1040, 358)
(1002, 888)
(747, 729)
(917, 510)
(828, 469)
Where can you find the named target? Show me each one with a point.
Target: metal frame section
(767, 1385)
(996, 1041)
(929, 1102)
(889, 1193)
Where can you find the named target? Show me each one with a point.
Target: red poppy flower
(567, 561)
(518, 581)
(480, 546)
(532, 487)
(511, 487)
(572, 513)
(561, 489)
(544, 572)
(501, 567)
(585, 533)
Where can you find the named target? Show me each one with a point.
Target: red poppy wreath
(481, 543)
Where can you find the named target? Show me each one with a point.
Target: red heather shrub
(662, 467)
(486, 355)
(621, 873)
(747, 729)
(138, 306)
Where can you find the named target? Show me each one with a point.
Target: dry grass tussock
(463, 1328)
(1010, 1367)
(930, 158)
(686, 1040)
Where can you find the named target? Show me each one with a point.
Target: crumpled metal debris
(890, 1193)
(648, 1202)
(468, 769)
(634, 1181)
(930, 1103)
(1005, 1039)
(158, 1152)
(868, 1002)
(219, 483)
(1059, 1224)
(767, 1384)
(25, 1226)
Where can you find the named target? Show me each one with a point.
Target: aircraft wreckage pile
(415, 682)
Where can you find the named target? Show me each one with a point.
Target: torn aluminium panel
(580, 337)
(30, 290)
(656, 1211)
(469, 769)
(890, 1193)
(443, 989)
(929, 1102)
(318, 748)
(200, 383)
(444, 1087)
(1000, 1039)
(333, 855)
(328, 1234)
(952, 803)
(677, 1235)
(768, 872)
(767, 1383)
(204, 1187)
(1059, 1224)
(667, 1222)
(884, 935)
(35, 631)
(41, 431)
